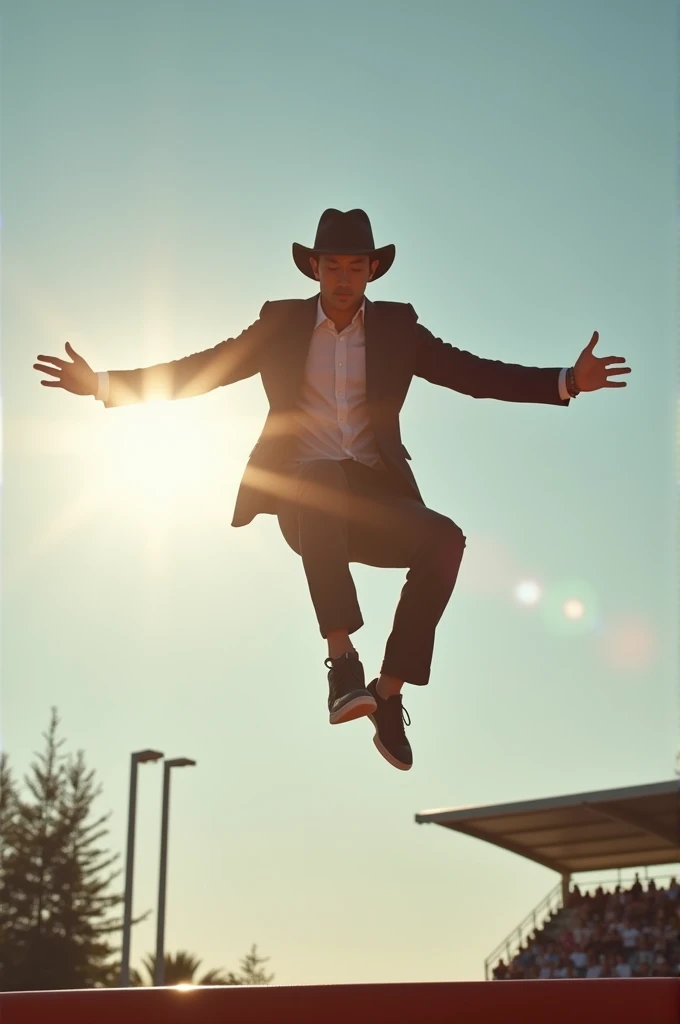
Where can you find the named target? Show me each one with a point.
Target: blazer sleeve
(227, 362)
(450, 367)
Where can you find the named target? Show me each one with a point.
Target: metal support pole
(159, 966)
(566, 879)
(143, 756)
(129, 871)
(159, 971)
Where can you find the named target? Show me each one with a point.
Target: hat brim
(385, 255)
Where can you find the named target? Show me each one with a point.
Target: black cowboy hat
(343, 234)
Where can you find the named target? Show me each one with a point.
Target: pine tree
(9, 907)
(54, 901)
(252, 969)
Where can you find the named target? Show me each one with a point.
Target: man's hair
(317, 256)
(359, 256)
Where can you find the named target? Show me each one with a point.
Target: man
(330, 462)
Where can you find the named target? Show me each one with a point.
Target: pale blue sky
(158, 160)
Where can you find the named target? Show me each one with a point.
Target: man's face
(343, 279)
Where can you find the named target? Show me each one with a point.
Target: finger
(47, 369)
(615, 384)
(53, 359)
(613, 359)
(624, 369)
(593, 341)
(71, 351)
(51, 383)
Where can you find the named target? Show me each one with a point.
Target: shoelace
(405, 717)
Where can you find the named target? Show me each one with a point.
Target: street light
(159, 967)
(141, 756)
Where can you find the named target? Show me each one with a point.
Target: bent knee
(450, 534)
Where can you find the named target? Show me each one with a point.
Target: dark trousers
(346, 512)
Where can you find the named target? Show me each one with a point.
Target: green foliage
(181, 969)
(55, 904)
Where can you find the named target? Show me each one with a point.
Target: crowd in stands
(621, 934)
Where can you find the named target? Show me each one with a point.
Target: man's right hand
(76, 377)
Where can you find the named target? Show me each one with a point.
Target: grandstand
(589, 930)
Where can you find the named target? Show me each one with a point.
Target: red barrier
(620, 1001)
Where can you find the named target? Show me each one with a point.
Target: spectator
(560, 970)
(644, 953)
(579, 959)
(629, 935)
(500, 972)
(618, 934)
(623, 968)
(594, 969)
(574, 897)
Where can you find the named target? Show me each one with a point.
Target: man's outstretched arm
(229, 361)
(450, 367)
(441, 363)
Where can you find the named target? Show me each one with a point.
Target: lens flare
(571, 608)
(528, 592)
(629, 644)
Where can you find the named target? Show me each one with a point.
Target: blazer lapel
(295, 349)
(377, 345)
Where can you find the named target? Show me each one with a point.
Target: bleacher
(586, 833)
(622, 933)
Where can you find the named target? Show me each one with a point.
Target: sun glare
(161, 459)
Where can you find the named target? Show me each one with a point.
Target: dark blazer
(276, 346)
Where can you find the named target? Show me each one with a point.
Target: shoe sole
(357, 708)
(390, 758)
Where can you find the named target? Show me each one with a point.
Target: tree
(252, 969)
(181, 969)
(55, 903)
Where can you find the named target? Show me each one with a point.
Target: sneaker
(348, 697)
(389, 719)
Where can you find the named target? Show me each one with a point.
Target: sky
(158, 161)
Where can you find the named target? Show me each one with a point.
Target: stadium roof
(614, 828)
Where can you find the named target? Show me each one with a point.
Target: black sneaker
(389, 719)
(348, 697)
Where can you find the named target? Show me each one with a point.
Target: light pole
(143, 756)
(159, 967)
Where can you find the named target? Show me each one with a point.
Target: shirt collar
(321, 316)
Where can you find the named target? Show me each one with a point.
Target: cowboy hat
(343, 234)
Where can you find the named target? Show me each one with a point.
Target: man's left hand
(591, 372)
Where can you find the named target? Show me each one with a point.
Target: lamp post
(159, 967)
(140, 756)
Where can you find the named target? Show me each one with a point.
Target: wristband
(571, 382)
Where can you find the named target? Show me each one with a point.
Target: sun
(159, 456)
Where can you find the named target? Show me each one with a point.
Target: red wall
(621, 1001)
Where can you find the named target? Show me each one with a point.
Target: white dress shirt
(332, 415)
